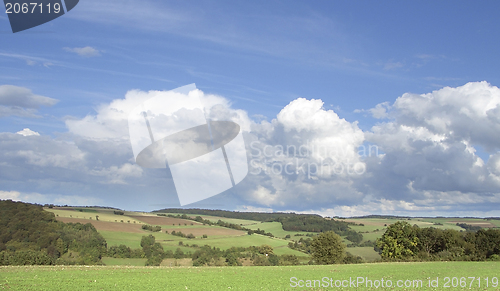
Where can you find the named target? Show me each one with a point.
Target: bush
(288, 260)
(156, 228)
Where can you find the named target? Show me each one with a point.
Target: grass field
(280, 246)
(237, 221)
(250, 278)
(130, 233)
(276, 229)
(371, 224)
(123, 262)
(367, 253)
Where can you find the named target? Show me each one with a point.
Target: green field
(276, 229)
(223, 238)
(280, 246)
(171, 242)
(367, 253)
(123, 262)
(371, 224)
(214, 219)
(250, 278)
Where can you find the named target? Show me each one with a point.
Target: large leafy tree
(400, 241)
(328, 248)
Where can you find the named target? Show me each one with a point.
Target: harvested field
(162, 220)
(210, 231)
(104, 225)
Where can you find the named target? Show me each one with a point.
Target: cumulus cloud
(27, 132)
(87, 51)
(429, 147)
(307, 158)
(21, 101)
(111, 120)
(304, 157)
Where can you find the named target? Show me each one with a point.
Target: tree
(152, 250)
(327, 248)
(179, 254)
(399, 241)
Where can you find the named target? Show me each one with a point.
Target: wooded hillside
(31, 236)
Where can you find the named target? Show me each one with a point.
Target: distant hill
(258, 216)
(290, 221)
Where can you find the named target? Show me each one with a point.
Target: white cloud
(111, 120)
(21, 101)
(429, 163)
(119, 175)
(380, 110)
(322, 133)
(12, 195)
(17, 111)
(302, 158)
(23, 97)
(470, 112)
(27, 132)
(429, 146)
(34, 197)
(87, 51)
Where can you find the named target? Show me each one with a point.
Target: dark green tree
(327, 248)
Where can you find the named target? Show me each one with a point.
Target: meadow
(126, 229)
(255, 278)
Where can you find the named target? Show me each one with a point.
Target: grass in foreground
(123, 262)
(243, 278)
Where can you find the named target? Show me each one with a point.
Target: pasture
(469, 274)
(243, 222)
(126, 229)
(276, 229)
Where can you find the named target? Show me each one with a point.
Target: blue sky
(260, 57)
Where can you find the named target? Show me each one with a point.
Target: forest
(31, 236)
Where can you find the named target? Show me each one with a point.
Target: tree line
(404, 242)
